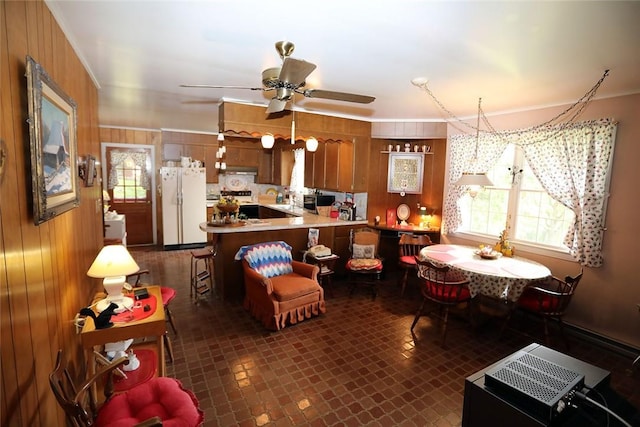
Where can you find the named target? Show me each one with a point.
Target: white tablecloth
(503, 278)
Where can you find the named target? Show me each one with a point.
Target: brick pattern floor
(356, 365)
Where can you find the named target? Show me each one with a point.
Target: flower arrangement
(228, 204)
(503, 245)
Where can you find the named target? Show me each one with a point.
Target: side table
(152, 326)
(327, 269)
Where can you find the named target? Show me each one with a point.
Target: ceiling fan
(289, 79)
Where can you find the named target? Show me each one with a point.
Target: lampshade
(105, 196)
(113, 264)
(220, 136)
(470, 178)
(267, 141)
(312, 144)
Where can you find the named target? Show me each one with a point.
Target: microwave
(312, 201)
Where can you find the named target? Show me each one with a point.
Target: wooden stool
(202, 280)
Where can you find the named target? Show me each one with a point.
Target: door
(129, 182)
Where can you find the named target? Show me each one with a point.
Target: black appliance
(312, 201)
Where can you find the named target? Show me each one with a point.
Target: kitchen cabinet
(308, 169)
(361, 147)
(345, 167)
(318, 166)
(283, 161)
(266, 171)
(331, 165)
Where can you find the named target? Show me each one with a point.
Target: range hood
(240, 170)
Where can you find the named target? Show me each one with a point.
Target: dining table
(496, 276)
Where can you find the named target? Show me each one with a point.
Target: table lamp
(425, 217)
(113, 264)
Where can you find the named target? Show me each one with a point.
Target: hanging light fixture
(267, 141)
(220, 163)
(293, 125)
(312, 144)
(475, 180)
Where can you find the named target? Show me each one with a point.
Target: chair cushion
(269, 259)
(364, 251)
(160, 397)
(291, 286)
(364, 264)
(168, 294)
(408, 260)
(449, 293)
(535, 301)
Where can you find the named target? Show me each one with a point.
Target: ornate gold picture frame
(405, 173)
(53, 145)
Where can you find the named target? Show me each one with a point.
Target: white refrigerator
(184, 206)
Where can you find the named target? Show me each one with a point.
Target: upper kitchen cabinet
(361, 150)
(282, 166)
(332, 165)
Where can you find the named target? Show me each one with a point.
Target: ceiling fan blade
(339, 96)
(224, 87)
(295, 71)
(276, 105)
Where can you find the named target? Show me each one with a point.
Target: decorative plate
(403, 212)
(492, 255)
(272, 192)
(236, 182)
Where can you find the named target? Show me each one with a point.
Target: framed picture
(405, 173)
(91, 171)
(53, 145)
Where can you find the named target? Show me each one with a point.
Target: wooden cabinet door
(331, 165)
(319, 166)
(361, 148)
(210, 163)
(345, 167)
(266, 166)
(309, 164)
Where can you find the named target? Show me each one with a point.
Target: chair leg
(445, 320)
(169, 317)
(405, 277)
(418, 314)
(546, 331)
(168, 345)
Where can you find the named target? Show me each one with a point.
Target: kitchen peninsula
(294, 230)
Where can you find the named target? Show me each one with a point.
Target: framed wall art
(53, 145)
(405, 173)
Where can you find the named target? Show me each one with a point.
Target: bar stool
(202, 280)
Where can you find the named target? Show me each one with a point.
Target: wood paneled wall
(43, 281)
(379, 200)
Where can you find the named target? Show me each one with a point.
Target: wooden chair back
(365, 236)
(440, 284)
(411, 244)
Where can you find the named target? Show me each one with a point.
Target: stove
(242, 196)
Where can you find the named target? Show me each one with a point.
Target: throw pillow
(364, 251)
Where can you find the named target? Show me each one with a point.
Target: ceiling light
(476, 180)
(267, 141)
(312, 144)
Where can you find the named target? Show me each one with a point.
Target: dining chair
(409, 247)
(549, 299)
(442, 286)
(168, 294)
(150, 403)
(364, 266)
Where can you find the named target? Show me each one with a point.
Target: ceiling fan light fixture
(267, 141)
(285, 48)
(312, 144)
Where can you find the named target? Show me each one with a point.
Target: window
(517, 202)
(129, 188)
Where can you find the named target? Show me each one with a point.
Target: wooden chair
(443, 287)
(365, 266)
(409, 247)
(550, 300)
(148, 404)
(168, 294)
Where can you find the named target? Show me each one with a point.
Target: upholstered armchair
(278, 290)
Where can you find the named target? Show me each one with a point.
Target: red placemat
(137, 312)
(148, 361)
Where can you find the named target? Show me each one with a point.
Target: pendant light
(267, 141)
(312, 144)
(475, 180)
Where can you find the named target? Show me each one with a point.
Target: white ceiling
(514, 54)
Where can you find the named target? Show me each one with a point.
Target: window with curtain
(550, 188)
(127, 179)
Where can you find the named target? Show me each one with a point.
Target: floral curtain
(468, 153)
(572, 166)
(139, 159)
(571, 161)
(297, 174)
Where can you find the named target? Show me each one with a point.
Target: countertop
(303, 219)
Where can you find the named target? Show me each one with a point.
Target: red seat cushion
(535, 301)
(449, 293)
(408, 259)
(160, 397)
(168, 294)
